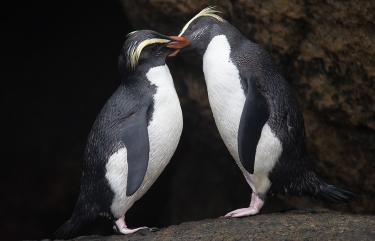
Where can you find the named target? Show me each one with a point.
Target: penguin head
(147, 47)
(200, 29)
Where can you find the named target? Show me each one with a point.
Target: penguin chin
(196, 48)
(198, 42)
(174, 53)
(183, 50)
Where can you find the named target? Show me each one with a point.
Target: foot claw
(153, 229)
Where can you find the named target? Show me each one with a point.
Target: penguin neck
(142, 67)
(160, 76)
(232, 35)
(201, 38)
(140, 72)
(150, 75)
(221, 74)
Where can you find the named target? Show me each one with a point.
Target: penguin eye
(154, 47)
(191, 28)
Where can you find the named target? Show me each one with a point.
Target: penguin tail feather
(335, 194)
(72, 227)
(317, 187)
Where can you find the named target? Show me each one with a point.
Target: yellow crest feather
(131, 33)
(208, 12)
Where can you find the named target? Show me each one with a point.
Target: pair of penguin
(138, 129)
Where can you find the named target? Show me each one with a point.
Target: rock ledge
(292, 225)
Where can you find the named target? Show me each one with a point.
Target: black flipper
(254, 115)
(134, 135)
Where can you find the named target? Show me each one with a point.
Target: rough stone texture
(278, 226)
(326, 49)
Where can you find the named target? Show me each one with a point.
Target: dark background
(61, 66)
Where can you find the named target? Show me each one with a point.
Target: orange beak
(178, 42)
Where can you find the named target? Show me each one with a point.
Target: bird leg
(122, 228)
(255, 205)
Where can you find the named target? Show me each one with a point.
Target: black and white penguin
(134, 135)
(255, 112)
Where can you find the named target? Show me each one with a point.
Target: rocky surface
(326, 49)
(277, 226)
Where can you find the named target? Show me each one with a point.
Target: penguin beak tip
(178, 42)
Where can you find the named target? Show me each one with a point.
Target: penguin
(256, 113)
(134, 136)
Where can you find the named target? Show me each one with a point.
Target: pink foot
(242, 212)
(255, 205)
(122, 228)
(126, 230)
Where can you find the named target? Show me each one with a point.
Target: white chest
(165, 127)
(225, 92)
(227, 100)
(164, 133)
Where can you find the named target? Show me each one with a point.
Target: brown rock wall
(326, 49)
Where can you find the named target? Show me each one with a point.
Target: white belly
(164, 132)
(225, 92)
(227, 100)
